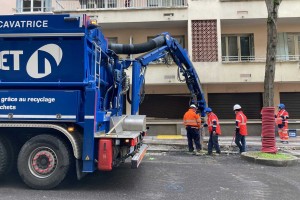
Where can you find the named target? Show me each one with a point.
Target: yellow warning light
(71, 128)
(93, 21)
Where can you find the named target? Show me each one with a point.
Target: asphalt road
(173, 176)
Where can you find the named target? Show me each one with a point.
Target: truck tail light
(133, 142)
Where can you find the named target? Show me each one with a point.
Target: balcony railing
(70, 5)
(279, 58)
(39, 9)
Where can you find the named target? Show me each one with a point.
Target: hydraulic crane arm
(158, 48)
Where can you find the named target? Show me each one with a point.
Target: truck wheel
(44, 161)
(6, 156)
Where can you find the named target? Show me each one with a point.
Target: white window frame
(105, 3)
(239, 58)
(283, 47)
(164, 3)
(43, 7)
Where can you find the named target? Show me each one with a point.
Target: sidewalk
(167, 143)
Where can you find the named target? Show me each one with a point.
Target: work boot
(191, 152)
(200, 153)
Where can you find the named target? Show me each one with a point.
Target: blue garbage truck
(63, 91)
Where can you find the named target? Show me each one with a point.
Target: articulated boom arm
(187, 69)
(158, 48)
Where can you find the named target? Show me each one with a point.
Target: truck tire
(44, 162)
(7, 156)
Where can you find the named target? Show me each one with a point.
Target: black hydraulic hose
(128, 97)
(138, 48)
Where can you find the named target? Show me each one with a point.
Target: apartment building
(226, 40)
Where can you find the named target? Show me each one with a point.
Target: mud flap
(138, 157)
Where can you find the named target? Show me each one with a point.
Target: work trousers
(193, 135)
(240, 141)
(283, 133)
(213, 142)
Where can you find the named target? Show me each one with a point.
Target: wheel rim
(42, 162)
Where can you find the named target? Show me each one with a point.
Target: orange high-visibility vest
(211, 117)
(283, 113)
(191, 118)
(241, 120)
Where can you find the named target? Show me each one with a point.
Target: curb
(227, 149)
(177, 145)
(270, 162)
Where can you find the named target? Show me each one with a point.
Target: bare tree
(268, 97)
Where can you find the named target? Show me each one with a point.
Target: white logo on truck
(16, 60)
(39, 63)
(23, 24)
(32, 66)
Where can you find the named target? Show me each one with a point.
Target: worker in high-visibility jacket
(214, 130)
(282, 123)
(240, 128)
(192, 122)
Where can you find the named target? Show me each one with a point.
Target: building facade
(226, 40)
(7, 7)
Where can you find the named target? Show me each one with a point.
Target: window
(91, 4)
(180, 39)
(112, 3)
(107, 3)
(26, 5)
(288, 46)
(128, 3)
(164, 3)
(177, 2)
(153, 3)
(237, 47)
(33, 5)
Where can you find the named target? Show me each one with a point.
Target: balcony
(279, 58)
(83, 5)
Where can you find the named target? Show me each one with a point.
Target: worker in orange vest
(282, 123)
(240, 128)
(192, 122)
(214, 130)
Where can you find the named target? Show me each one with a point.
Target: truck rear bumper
(138, 157)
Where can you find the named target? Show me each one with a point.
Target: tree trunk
(272, 7)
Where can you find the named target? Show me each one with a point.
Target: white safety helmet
(236, 107)
(193, 106)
